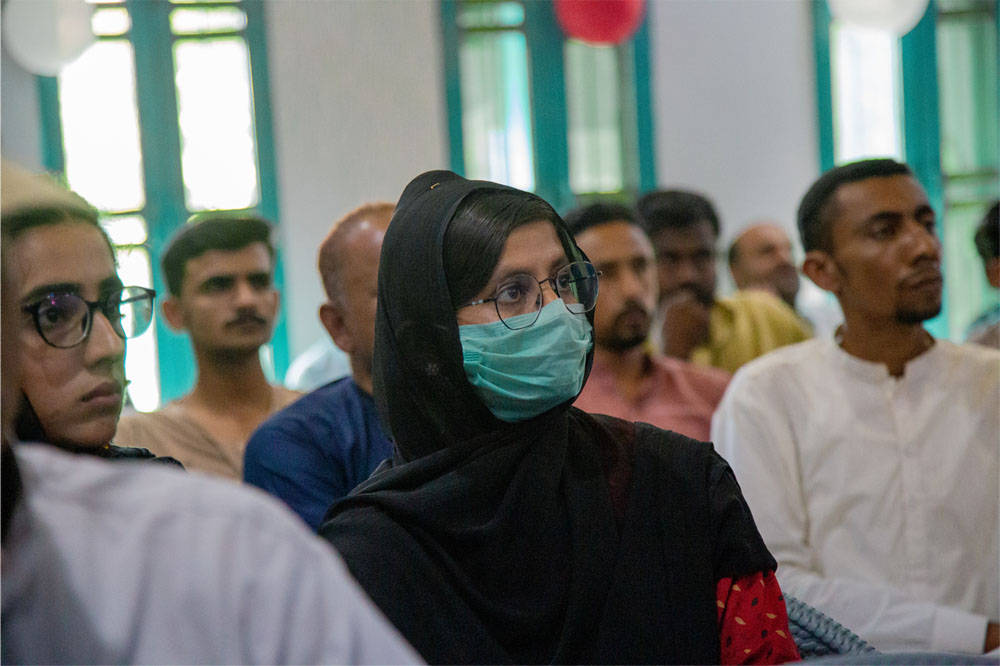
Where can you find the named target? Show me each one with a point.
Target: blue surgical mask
(519, 374)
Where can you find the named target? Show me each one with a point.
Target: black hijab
(493, 542)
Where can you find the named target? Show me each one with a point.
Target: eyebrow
(38, 293)
(44, 290)
(511, 271)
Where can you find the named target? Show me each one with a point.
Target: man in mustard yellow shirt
(697, 326)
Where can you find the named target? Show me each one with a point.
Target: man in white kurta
(115, 563)
(870, 460)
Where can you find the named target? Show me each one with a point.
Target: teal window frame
(921, 121)
(165, 209)
(547, 90)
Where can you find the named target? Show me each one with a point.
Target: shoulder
(315, 416)
(784, 363)
(970, 360)
(284, 396)
(95, 500)
(763, 305)
(319, 405)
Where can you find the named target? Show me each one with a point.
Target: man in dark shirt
(317, 449)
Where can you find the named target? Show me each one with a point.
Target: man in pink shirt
(628, 380)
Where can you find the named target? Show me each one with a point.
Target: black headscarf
(493, 542)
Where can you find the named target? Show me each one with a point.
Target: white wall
(20, 122)
(735, 104)
(358, 99)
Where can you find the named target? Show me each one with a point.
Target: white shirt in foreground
(878, 497)
(128, 562)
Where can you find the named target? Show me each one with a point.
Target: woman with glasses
(509, 527)
(75, 317)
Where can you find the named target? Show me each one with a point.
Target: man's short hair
(675, 209)
(582, 218)
(330, 251)
(817, 206)
(211, 231)
(988, 234)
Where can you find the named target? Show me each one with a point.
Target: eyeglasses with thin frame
(65, 320)
(518, 299)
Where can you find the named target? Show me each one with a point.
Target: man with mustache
(627, 379)
(695, 325)
(219, 271)
(870, 459)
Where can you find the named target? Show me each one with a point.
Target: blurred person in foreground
(109, 563)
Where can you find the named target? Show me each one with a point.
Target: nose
(923, 241)
(686, 271)
(103, 345)
(245, 294)
(548, 292)
(632, 285)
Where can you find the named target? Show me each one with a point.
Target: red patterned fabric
(753, 621)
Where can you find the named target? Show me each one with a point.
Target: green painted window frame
(547, 92)
(921, 121)
(165, 210)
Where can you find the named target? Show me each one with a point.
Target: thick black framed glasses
(64, 320)
(518, 299)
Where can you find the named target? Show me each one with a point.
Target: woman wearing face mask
(75, 317)
(508, 526)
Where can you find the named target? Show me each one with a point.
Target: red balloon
(600, 21)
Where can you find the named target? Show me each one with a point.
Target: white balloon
(895, 16)
(44, 36)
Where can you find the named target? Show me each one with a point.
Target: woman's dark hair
(477, 233)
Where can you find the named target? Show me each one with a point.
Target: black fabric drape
(490, 542)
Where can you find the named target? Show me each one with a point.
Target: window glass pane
(865, 67)
(593, 98)
(141, 365)
(967, 56)
(496, 118)
(101, 127)
(490, 15)
(218, 147)
(126, 230)
(193, 21)
(110, 22)
(967, 83)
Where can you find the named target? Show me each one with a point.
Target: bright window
(532, 109)
(865, 68)
(186, 139)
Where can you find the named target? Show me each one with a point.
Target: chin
(917, 315)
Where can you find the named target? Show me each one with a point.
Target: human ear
(822, 270)
(333, 320)
(173, 313)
